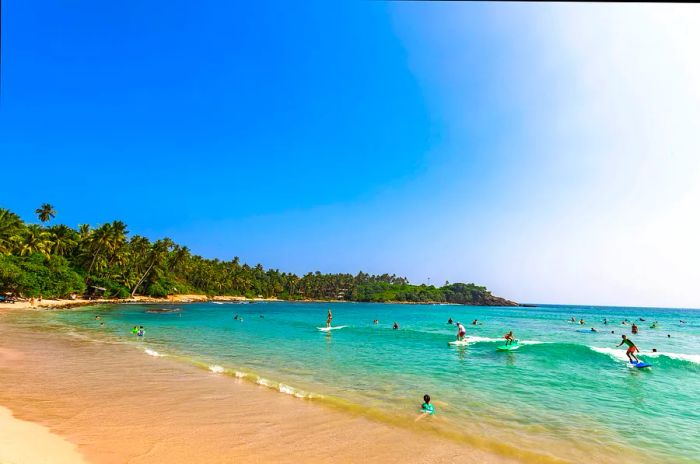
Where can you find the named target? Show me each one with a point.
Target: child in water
(426, 409)
(135, 330)
(141, 331)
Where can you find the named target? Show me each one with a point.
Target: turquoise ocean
(564, 395)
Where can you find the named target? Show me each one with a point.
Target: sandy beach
(100, 402)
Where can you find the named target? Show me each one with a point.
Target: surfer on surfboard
(329, 319)
(461, 331)
(631, 348)
(509, 338)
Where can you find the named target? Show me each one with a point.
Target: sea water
(563, 394)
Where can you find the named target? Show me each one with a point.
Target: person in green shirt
(631, 349)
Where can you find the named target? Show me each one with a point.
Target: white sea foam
(239, 374)
(612, 352)
(264, 382)
(151, 352)
(532, 342)
(216, 369)
(477, 339)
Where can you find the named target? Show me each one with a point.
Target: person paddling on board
(509, 338)
(461, 331)
(631, 349)
(329, 319)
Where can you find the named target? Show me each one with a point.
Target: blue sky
(546, 151)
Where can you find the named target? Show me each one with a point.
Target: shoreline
(104, 397)
(50, 304)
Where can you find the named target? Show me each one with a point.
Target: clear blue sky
(530, 148)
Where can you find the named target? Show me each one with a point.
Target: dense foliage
(56, 260)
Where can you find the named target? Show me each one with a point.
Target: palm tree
(10, 227)
(35, 240)
(63, 239)
(46, 212)
(156, 257)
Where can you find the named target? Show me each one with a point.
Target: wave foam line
(151, 352)
(612, 352)
(215, 368)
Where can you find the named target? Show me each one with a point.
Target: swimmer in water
(376, 321)
(581, 322)
(426, 409)
(593, 329)
(396, 326)
(605, 321)
(474, 322)
(449, 321)
(634, 328)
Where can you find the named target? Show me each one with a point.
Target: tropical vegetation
(57, 261)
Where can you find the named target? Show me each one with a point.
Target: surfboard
(328, 329)
(640, 364)
(511, 347)
(459, 342)
(589, 331)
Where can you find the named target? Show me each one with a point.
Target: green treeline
(55, 261)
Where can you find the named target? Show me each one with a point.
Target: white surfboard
(464, 342)
(328, 329)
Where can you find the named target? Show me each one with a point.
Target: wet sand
(118, 405)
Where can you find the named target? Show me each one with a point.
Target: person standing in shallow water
(329, 319)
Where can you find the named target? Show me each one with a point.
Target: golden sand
(117, 405)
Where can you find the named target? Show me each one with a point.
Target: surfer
(426, 409)
(509, 338)
(461, 331)
(635, 329)
(396, 326)
(631, 348)
(593, 329)
(329, 319)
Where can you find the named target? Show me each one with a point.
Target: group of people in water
(138, 331)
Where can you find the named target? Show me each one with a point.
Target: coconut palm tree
(10, 227)
(63, 239)
(46, 212)
(35, 240)
(156, 258)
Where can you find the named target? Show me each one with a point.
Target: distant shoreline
(48, 304)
